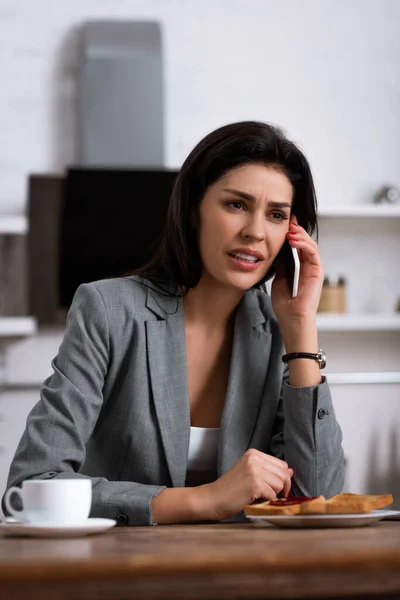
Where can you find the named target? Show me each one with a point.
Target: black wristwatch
(320, 357)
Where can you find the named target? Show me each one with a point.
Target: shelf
(13, 225)
(17, 326)
(360, 210)
(358, 322)
(363, 378)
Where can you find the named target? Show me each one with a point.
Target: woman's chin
(241, 281)
(236, 280)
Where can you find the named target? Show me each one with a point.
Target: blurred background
(101, 102)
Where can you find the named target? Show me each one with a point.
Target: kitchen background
(326, 71)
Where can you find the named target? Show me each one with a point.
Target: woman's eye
(279, 216)
(235, 204)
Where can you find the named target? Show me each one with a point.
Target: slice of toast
(357, 503)
(339, 504)
(316, 506)
(264, 508)
(289, 506)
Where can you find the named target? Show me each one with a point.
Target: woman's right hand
(256, 476)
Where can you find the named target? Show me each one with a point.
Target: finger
(276, 482)
(308, 247)
(279, 473)
(287, 486)
(294, 225)
(276, 472)
(268, 457)
(306, 241)
(267, 493)
(268, 479)
(295, 228)
(298, 232)
(273, 459)
(272, 463)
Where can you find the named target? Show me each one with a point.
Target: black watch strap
(319, 356)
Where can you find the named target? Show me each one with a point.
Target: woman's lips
(243, 265)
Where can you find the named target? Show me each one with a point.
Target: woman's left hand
(305, 305)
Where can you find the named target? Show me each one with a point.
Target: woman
(169, 388)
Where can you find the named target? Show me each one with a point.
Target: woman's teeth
(246, 257)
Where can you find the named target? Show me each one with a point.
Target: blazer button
(122, 520)
(321, 413)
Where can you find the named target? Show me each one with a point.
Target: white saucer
(308, 521)
(89, 527)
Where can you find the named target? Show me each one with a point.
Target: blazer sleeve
(308, 437)
(58, 428)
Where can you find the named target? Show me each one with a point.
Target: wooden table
(219, 561)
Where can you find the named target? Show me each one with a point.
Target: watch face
(322, 359)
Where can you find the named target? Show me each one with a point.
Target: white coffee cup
(52, 501)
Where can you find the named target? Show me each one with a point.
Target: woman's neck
(211, 305)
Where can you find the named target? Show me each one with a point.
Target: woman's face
(243, 214)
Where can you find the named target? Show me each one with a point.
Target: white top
(203, 455)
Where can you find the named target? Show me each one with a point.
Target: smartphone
(291, 261)
(296, 274)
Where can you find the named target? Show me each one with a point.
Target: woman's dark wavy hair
(177, 259)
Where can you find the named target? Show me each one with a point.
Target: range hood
(120, 95)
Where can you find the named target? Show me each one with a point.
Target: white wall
(327, 71)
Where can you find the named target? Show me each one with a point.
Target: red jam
(291, 501)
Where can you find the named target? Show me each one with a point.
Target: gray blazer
(116, 408)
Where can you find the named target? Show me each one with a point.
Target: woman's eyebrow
(251, 198)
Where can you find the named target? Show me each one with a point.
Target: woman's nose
(254, 228)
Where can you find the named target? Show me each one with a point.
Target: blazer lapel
(166, 344)
(248, 370)
(168, 373)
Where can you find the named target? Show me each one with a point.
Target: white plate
(88, 527)
(301, 521)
